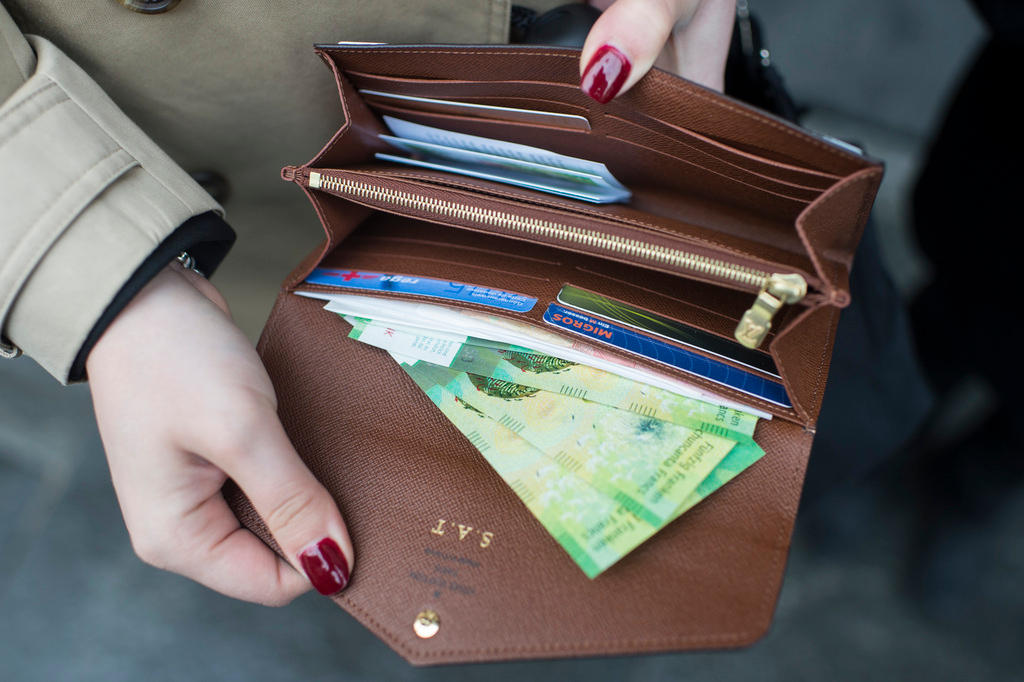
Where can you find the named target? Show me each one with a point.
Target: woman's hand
(687, 37)
(182, 403)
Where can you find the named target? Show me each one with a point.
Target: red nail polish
(607, 71)
(325, 566)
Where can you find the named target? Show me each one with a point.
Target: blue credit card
(423, 286)
(667, 354)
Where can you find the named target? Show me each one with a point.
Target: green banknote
(594, 511)
(647, 465)
(738, 459)
(523, 366)
(527, 367)
(592, 528)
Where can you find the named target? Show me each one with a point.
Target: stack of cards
(513, 164)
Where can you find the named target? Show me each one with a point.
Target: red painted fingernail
(325, 566)
(607, 71)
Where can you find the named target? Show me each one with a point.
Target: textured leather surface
(397, 468)
(433, 525)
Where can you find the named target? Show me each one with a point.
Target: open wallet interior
(434, 527)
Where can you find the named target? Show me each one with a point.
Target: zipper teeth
(546, 228)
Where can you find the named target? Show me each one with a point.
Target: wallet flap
(435, 529)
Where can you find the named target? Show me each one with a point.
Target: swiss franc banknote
(591, 527)
(524, 366)
(603, 462)
(648, 465)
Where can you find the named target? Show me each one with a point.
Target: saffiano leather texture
(435, 529)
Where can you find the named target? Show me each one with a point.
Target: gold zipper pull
(757, 321)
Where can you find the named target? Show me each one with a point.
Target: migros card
(659, 325)
(655, 349)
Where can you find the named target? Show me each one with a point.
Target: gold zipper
(774, 289)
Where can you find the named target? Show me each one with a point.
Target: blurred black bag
(750, 75)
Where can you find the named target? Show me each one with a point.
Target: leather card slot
(460, 123)
(652, 149)
(466, 91)
(684, 144)
(396, 245)
(660, 95)
(770, 161)
(702, 305)
(666, 97)
(635, 166)
(685, 160)
(518, 102)
(402, 109)
(446, 87)
(535, 318)
(553, 96)
(532, 95)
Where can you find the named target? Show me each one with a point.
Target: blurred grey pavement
(76, 604)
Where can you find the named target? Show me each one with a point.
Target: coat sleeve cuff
(87, 199)
(206, 237)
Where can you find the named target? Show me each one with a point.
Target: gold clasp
(757, 321)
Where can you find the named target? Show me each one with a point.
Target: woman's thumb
(299, 512)
(624, 42)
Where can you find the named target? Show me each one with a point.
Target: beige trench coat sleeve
(65, 254)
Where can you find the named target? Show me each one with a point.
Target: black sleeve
(206, 237)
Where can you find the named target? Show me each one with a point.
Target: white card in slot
(486, 145)
(523, 173)
(574, 191)
(447, 106)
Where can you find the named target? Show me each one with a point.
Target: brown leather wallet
(444, 546)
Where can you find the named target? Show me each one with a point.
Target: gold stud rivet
(427, 624)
